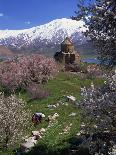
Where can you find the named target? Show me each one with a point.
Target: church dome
(66, 42)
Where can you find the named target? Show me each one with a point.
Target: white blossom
(14, 120)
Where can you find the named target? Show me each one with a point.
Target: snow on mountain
(53, 32)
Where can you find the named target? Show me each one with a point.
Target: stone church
(67, 55)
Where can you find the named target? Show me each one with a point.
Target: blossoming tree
(99, 107)
(23, 70)
(100, 19)
(14, 120)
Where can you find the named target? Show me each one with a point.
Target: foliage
(23, 70)
(85, 70)
(99, 106)
(75, 67)
(14, 120)
(36, 91)
(94, 70)
(100, 21)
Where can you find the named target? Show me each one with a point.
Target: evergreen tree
(100, 20)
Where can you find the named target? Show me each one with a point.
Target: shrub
(75, 67)
(36, 91)
(14, 120)
(94, 70)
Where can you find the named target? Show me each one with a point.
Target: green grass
(63, 84)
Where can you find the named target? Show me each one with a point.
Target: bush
(36, 91)
(94, 70)
(75, 67)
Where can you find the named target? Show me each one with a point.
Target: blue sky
(20, 14)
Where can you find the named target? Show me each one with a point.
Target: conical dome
(66, 41)
(67, 46)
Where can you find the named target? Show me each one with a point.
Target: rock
(28, 144)
(82, 131)
(53, 117)
(72, 114)
(32, 139)
(82, 125)
(26, 137)
(52, 106)
(78, 134)
(34, 133)
(37, 134)
(42, 130)
(57, 104)
(71, 98)
(56, 115)
(43, 116)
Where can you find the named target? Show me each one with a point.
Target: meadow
(54, 139)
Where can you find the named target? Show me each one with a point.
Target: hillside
(5, 52)
(59, 136)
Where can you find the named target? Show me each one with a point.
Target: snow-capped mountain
(47, 35)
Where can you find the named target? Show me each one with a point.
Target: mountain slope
(5, 52)
(44, 38)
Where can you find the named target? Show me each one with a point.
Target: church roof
(67, 41)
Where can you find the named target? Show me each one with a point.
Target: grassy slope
(63, 84)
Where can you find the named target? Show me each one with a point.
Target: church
(67, 55)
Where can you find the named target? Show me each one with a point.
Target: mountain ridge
(45, 38)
